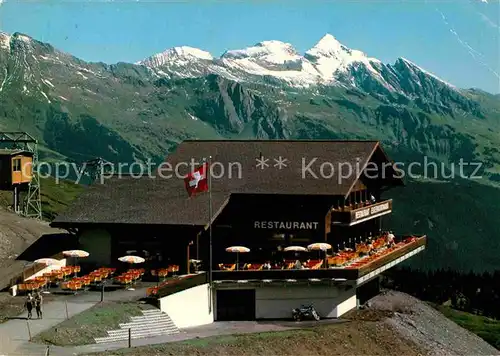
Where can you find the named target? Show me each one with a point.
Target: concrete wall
(278, 302)
(190, 307)
(97, 243)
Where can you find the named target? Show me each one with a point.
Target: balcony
(361, 270)
(347, 216)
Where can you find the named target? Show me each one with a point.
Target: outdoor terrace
(359, 268)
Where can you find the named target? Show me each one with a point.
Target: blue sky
(458, 40)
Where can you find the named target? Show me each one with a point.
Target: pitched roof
(162, 200)
(12, 152)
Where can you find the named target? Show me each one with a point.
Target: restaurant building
(265, 196)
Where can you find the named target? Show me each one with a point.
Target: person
(38, 305)
(298, 265)
(29, 304)
(390, 239)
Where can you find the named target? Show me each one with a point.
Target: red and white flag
(197, 181)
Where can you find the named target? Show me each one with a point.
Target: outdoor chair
(255, 266)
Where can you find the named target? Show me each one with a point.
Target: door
(235, 304)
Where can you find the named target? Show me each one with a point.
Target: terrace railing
(179, 284)
(347, 272)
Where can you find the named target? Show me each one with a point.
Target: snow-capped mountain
(329, 62)
(128, 112)
(180, 62)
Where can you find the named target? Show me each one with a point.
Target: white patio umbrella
(296, 248)
(76, 254)
(320, 246)
(47, 262)
(132, 260)
(237, 250)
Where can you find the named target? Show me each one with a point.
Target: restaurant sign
(374, 210)
(286, 225)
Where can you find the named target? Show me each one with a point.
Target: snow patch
(46, 97)
(4, 40)
(24, 38)
(272, 51)
(83, 76)
(193, 117)
(46, 81)
(5, 73)
(88, 71)
(184, 53)
(272, 58)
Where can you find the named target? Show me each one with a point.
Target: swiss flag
(196, 181)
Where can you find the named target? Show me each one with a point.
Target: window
(16, 165)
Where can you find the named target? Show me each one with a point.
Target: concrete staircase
(153, 322)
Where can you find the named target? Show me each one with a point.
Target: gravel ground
(426, 326)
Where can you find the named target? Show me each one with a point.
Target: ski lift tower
(94, 168)
(20, 146)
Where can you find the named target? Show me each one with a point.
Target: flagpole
(210, 279)
(210, 211)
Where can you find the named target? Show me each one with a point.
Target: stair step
(150, 319)
(142, 332)
(150, 315)
(134, 336)
(141, 329)
(147, 311)
(146, 324)
(152, 322)
(135, 333)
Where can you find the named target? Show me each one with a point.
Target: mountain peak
(328, 42)
(329, 46)
(21, 36)
(262, 49)
(183, 52)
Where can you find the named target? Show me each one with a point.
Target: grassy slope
(55, 196)
(94, 322)
(486, 328)
(361, 338)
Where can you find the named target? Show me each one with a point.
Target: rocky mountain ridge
(134, 112)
